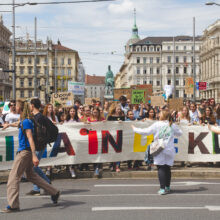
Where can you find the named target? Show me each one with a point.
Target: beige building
(210, 61)
(55, 66)
(5, 80)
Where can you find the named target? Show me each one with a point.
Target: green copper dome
(135, 28)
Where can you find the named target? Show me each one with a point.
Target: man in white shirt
(168, 89)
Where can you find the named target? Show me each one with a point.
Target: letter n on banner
(137, 147)
(107, 137)
(215, 140)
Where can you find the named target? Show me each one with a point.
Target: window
(145, 49)
(192, 59)
(29, 70)
(62, 61)
(192, 47)
(138, 49)
(158, 70)
(184, 59)
(184, 83)
(29, 93)
(151, 70)
(158, 48)
(177, 69)
(177, 93)
(21, 60)
(177, 82)
(184, 47)
(62, 71)
(158, 59)
(158, 83)
(169, 70)
(177, 47)
(138, 81)
(151, 49)
(45, 70)
(185, 70)
(22, 94)
(38, 82)
(69, 61)
(168, 47)
(138, 59)
(169, 59)
(151, 59)
(138, 70)
(168, 81)
(151, 82)
(38, 60)
(145, 82)
(38, 70)
(45, 60)
(144, 60)
(177, 59)
(21, 70)
(21, 83)
(29, 60)
(144, 70)
(29, 82)
(69, 72)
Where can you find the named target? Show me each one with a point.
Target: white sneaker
(72, 172)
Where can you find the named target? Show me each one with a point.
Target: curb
(176, 174)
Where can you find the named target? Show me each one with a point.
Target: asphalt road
(120, 199)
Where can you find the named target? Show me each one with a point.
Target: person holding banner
(208, 117)
(166, 130)
(214, 129)
(25, 160)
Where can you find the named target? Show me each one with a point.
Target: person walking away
(164, 160)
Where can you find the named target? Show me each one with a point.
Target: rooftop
(95, 79)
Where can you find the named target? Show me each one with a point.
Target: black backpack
(44, 133)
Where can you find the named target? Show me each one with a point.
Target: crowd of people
(202, 113)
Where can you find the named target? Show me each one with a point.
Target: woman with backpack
(163, 129)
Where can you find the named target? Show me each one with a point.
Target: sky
(99, 31)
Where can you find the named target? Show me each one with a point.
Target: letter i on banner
(138, 147)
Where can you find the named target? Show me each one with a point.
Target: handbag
(158, 145)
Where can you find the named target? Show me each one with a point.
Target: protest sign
(127, 92)
(138, 96)
(110, 142)
(148, 88)
(77, 88)
(88, 101)
(157, 101)
(175, 104)
(189, 84)
(65, 99)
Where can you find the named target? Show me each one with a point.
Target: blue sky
(98, 29)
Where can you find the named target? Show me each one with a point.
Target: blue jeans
(39, 171)
(218, 122)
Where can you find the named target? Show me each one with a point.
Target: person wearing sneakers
(25, 160)
(163, 129)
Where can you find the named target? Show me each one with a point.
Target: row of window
(30, 94)
(44, 60)
(158, 82)
(169, 70)
(30, 82)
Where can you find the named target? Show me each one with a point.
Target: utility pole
(35, 57)
(47, 74)
(161, 66)
(55, 70)
(13, 53)
(194, 62)
(174, 74)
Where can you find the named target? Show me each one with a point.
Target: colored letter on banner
(137, 142)
(216, 148)
(9, 140)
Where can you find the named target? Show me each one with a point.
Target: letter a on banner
(107, 138)
(138, 147)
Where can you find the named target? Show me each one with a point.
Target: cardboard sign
(65, 99)
(138, 96)
(147, 87)
(157, 101)
(88, 101)
(189, 84)
(125, 92)
(175, 104)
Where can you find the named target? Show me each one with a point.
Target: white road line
(210, 208)
(113, 195)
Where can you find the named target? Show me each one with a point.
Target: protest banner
(157, 101)
(88, 101)
(175, 104)
(138, 96)
(127, 92)
(77, 88)
(110, 142)
(189, 84)
(65, 99)
(147, 87)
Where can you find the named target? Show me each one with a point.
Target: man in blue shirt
(24, 161)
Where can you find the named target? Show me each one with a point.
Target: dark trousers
(164, 175)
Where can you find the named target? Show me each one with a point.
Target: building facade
(210, 61)
(160, 61)
(55, 65)
(95, 87)
(5, 80)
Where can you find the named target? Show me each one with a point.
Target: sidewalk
(197, 171)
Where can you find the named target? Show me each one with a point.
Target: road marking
(189, 183)
(112, 195)
(210, 208)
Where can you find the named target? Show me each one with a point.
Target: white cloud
(121, 8)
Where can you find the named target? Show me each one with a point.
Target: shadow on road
(70, 191)
(185, 191)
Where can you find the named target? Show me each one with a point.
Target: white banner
(77, 88)
(110, 142)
